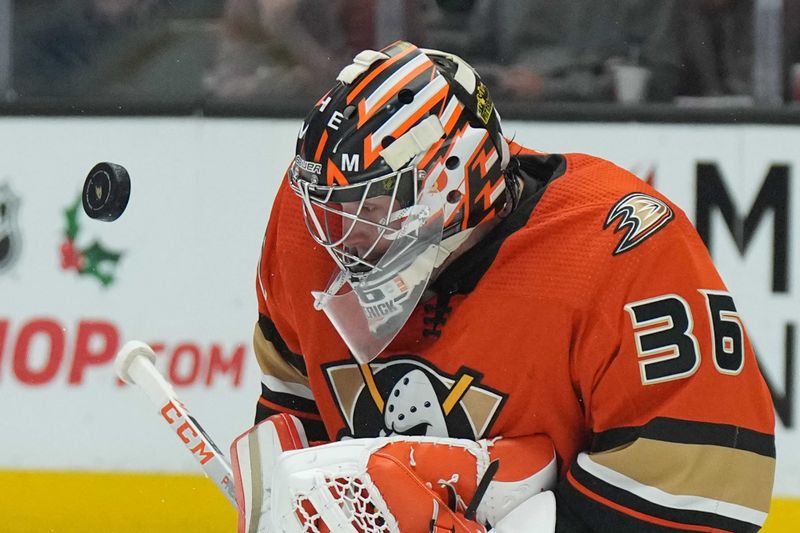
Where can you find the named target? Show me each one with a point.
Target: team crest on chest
(639, 216)
(405, 395)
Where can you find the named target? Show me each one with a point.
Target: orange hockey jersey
(593, 313)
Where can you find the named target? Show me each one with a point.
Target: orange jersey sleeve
(284, 383)
(682, 421)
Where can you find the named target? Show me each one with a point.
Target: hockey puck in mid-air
(106, 191)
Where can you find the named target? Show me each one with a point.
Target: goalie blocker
(391, 484)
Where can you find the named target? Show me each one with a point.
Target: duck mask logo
(406, 396)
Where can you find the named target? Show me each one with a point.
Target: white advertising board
(185, 281)
(189, 242)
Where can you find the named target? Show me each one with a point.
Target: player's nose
(358, 236)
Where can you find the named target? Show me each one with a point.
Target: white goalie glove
(391, 484)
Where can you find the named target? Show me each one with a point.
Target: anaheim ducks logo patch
(639, 215)
(405, 395)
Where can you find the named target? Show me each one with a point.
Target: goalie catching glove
(390, 484)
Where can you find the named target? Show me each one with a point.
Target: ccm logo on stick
(188, 431)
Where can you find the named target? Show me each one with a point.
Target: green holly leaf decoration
(100, 262)
(72, 219)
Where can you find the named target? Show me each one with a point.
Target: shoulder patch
(639, 215)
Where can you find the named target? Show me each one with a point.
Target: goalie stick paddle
(134, 365)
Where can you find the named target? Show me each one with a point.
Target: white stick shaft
(140, 370)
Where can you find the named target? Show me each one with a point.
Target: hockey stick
(134, 365)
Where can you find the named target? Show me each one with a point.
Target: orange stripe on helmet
(323, 139)
(451, 146)
(486, 193)
(441, 180)
(410, 121)
(489, 216)
(451, 122)
(322, 99)
(371, 76)
(335, 176)
(448, 128)
(431, 152)
(467, 191)
(456, 212)
(482, 158)
(371, 154)
(363, 114)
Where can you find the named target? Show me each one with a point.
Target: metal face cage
(356, 223)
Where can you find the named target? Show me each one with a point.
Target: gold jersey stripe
(372, 387)
(456, 393)
(272, 363)
(716, 472)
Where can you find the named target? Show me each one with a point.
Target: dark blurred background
(278, 56)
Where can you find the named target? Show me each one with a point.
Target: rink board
(163, 503)
(184, 281)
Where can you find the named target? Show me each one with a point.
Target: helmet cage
(331, 225)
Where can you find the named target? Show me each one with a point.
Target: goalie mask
(395, 166)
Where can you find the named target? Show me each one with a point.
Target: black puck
(106, 191)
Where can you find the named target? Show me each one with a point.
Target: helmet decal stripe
(484, 159)
(322, 141)
(490, 192)
(335, 176)
(372, 75)
(401, 121)
(449, 125)
(322, 99)
(451, 113)
(457, 213)
(392, 86)
(417, 140)
(441, 157)
(405, 126)
(371, 151)
(475, 149)
(434, 149)
(456, 179)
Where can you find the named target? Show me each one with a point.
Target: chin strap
(450, 245)
(511, 175)
(322, 298)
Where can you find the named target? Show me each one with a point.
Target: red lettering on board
(217, 364)
(85, 356)
(41, 328)
(187, 352)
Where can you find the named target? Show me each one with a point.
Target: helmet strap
(511, 174)
(451, 244)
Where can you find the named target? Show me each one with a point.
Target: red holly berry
(71, 259)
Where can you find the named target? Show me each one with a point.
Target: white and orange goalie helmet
(395, 165)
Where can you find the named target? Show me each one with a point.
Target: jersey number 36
(667, 348)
